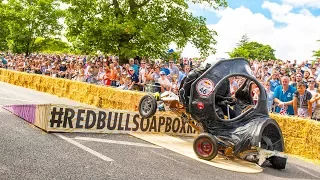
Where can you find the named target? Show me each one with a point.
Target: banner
(82, 119)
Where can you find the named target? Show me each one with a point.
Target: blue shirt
(274, 84)
(135, 78)
(181, 76)
(136, 68)
(284, 97)
(166, 70)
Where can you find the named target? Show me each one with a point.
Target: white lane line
(101, 156)
(116, 142)
(306, 171)
(25, 100)
(164, 156)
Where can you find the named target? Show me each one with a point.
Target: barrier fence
(302, 136)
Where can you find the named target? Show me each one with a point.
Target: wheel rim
(268, 144)
(204, 147)
(146, 105)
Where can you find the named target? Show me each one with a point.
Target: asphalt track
(26, 152)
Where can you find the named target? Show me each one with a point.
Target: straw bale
(295, 145)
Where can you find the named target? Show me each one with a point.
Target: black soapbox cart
(235, 126)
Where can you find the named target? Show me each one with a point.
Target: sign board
(83, 119)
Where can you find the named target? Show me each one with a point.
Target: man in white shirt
(164, 82)
(143, 72)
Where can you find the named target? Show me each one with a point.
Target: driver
(223, 99)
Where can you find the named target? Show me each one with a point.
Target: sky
(291, 27)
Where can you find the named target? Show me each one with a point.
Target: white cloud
(277, 8)
(303, 3)
(295, 39)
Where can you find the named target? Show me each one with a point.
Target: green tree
(252, 50)
(316, 53)
(4, 32)
(51, 45)
(32, 19)
(137, 27)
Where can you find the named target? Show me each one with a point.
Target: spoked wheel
(205, 146)
(148, 106)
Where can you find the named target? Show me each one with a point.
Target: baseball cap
(162, 72)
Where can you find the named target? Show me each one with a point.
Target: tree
(32, 19)
(316, 53)
(3, 27)
(137, 27)
(244, 40)
(51, 45)
(252, 50)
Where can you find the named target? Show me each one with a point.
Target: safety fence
(302, 136)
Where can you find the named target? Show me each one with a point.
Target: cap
(162, 72)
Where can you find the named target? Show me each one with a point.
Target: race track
(29, 153)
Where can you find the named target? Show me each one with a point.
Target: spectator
(183, 73)
(143, 72)
(153, 77)
(134, 80)
(302, 105)
(283, 97)
(106, 76)
(134, 66)
(233, 85)
(174, 70)
(270, 96)
(113, 75)
(316, 99)
(292, 79)
(274, 80)
(164, 82)
(312, 89)
(298, 79)
(100, 76)
(165, 68)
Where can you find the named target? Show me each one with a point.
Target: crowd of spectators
(292, 88)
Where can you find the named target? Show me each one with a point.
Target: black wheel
(205, 146)
(278, 162)
(148, 106)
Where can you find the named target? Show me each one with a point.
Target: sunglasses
(311, 81)
(162, 74)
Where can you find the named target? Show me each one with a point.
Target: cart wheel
(147, 106)
(278, 162)
(205, 146)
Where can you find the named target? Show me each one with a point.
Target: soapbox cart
(233, 126)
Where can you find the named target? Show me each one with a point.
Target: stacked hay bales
(98, 96)
(301, 136)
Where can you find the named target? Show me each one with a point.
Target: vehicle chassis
(208, 145)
